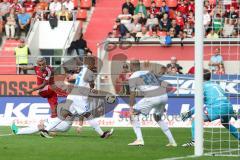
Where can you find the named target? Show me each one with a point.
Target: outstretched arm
(37, 88)
(26, 67)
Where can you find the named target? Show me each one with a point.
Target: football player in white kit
(155, 97)
(77, 104)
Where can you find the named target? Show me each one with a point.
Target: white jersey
(80, 92)
(155, 96)
(146, 83)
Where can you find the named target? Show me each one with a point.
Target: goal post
(198, 99)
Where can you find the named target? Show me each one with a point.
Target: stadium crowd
(17, 15)
(175, 19)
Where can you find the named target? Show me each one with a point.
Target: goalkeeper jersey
(215, 98)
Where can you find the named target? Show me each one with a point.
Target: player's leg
(134, 119)
(158, 112)
(141, 107)
(191, 143)
(34, 128)
(233, 130)
(64, 126)
(94, 124)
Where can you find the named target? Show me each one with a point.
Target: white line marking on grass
(176, 158)
(5, 135)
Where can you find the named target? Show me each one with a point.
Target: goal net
(221, 55)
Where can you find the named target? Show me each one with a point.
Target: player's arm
(26, 67)
(38, 87)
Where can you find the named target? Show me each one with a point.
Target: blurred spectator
(152, 21)
(215, 60)
(212, 35)
(189, 30)
(55, 6)
(64, 14)
(217, 23)
(154, 34)
(23, 22)
(191, 18)
(163, 70)
(191, 6)
(140, 9)
(16, 5)
(123, 77)
(176, 27)
(53, 20)
(174, 67)
(93, 3)
(231, 14)
(168, 39)
(68, 4)
(21, 53)
(153, 9)
(134, 27)
(39, 14)
(179, 20)
(182, 8)
(80, 46)
(129, 6)
(43, 5)
(164, 8)
(121, 28)
(11, 24)
(125, 17)
(113, 34)
(206, 18)
(172, 33)
(4, 9)
(143, 33)
(29, 5)
(165, 23)
(220, 70)
(228, 28)
(209, 7)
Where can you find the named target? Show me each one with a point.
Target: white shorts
(63, 126)
(145, 105)
(80, 104)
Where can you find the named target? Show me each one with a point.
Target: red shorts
(51, 95)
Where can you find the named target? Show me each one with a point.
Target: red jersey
(45, 75)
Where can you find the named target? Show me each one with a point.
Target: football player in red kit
(45, 84)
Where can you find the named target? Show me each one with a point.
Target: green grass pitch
(88, 146)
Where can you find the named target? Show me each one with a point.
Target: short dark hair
(206, 75)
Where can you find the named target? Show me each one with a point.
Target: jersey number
(149, 79)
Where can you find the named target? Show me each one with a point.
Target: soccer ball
(110, 99)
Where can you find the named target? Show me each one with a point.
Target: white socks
(136, 126)
(94, 124)
(166, 131)
(28, 130)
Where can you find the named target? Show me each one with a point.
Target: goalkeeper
(217, 107)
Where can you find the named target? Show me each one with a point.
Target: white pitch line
(177, 158)
(5, 135)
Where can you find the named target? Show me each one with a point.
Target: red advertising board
(17, 85)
